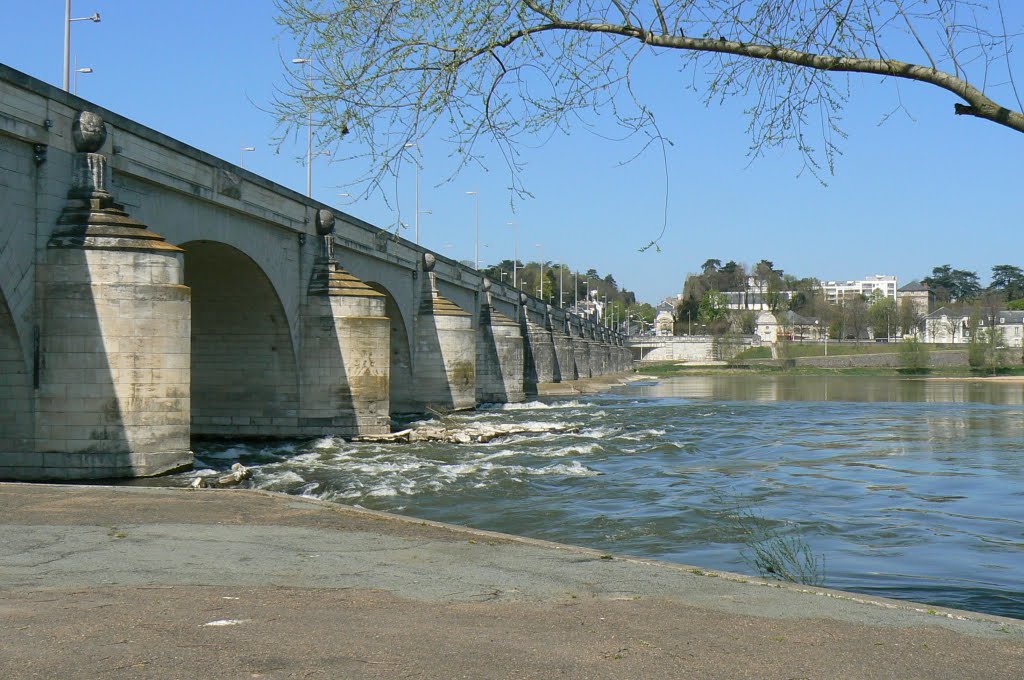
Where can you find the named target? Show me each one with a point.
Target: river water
(904, 488)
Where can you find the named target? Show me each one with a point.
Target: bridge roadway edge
(100, 581)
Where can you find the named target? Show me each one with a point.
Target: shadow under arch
(244, 376)
(15, 389)
(400, 389)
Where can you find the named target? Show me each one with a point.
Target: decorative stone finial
(88, 131)
(487, 285)
(324, 222)
(428, 262)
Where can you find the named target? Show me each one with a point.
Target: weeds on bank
(775, 554)
(787, 558)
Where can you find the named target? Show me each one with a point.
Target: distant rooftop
(915, 286)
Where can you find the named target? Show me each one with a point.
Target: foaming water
(907, 488)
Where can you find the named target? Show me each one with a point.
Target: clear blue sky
(907, 195)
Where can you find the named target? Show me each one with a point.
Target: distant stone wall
(686, 348)
(936, 359)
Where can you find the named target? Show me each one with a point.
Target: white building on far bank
(837, 291)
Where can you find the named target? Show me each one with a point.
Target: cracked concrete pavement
(100, 581)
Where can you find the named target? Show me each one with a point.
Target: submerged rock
(471, 433)
(238, 474)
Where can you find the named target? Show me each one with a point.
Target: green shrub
(976, 353)
(913, 356)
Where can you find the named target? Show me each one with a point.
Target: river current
(903, 488)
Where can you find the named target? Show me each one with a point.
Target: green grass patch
(669, 369)
(763, 352)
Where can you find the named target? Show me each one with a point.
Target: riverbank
(125, 582)
(668, 369)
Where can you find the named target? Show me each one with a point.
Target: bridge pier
(616, 349)
(599, 353)
(580, 347)
(538, 349)
(344, 359)
(112, 368)
(444, 366)
(564, 359)
(499, 355)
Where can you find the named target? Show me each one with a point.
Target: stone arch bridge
(150, 292)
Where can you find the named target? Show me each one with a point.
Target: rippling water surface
(907, 488)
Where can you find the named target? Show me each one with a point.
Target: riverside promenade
(144, 582)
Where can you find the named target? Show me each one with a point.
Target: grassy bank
(667, 369)
(800, 350)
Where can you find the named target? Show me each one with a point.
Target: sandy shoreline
(127, 582)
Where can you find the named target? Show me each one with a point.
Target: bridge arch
(400, 390)
(245, 380)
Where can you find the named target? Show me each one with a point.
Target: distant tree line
(704, 306)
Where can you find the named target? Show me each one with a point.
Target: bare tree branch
(388, 72)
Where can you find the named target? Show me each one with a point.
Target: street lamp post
(84, 69)
(308, 61)
(561, 268)
(515, 252)
(541, 247)
(95, 18)
(241, 155)
(410, 145)
(476, 254)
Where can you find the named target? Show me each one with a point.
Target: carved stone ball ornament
(428, 262)
(487, 285)
(88, 132)
(324, 222)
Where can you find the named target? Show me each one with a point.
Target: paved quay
(142, 582)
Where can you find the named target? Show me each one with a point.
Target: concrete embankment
(586, 385)
(936, 359)
(129, 582)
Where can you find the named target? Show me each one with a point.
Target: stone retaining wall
(936, 359)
